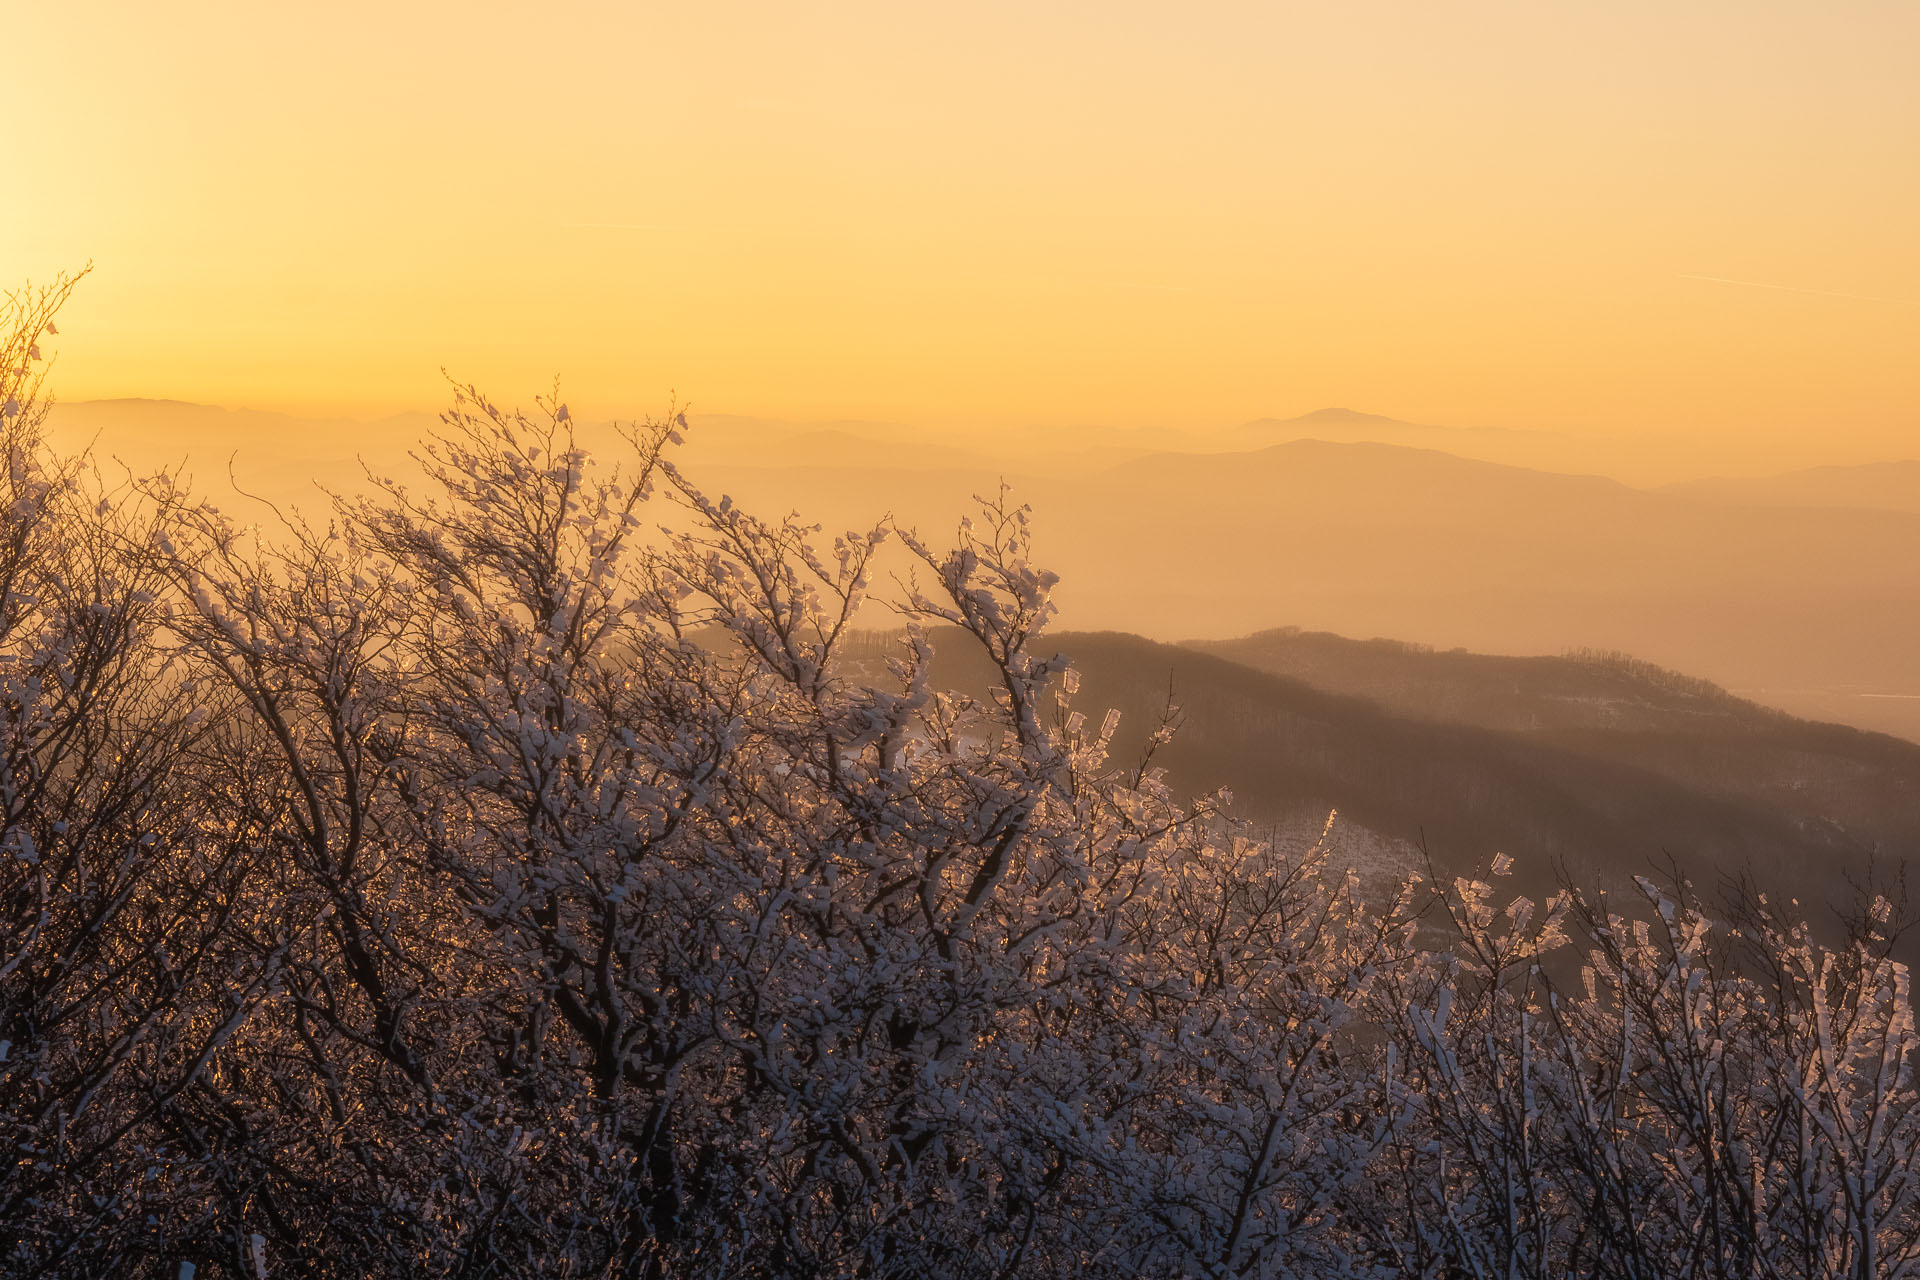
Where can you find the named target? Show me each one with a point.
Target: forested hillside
(1591, 769)
(1832, 787)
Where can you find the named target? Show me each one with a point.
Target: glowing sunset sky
(1485, 213)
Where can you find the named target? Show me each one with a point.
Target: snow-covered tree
(519, 875)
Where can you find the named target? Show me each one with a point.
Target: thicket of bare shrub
(483, 883)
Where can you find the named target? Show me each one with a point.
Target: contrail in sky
(1794, 288)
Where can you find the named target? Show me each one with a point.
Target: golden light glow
(1488, 214)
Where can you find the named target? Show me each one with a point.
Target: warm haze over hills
(892, 254)
(1802, 591)
(1893, 486)
(716, 640)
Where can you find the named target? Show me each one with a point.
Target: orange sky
(1483, 213)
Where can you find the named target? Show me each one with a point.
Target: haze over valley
(1799, 590)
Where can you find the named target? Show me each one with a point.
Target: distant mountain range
(1493, 444)
(1375, 539)
(1802, 589)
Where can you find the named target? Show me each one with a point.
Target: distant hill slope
(1581, 691)
(1627, 766)
(1892, 486)
(1332, 419)
(1617, 711)
(1550, 450)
